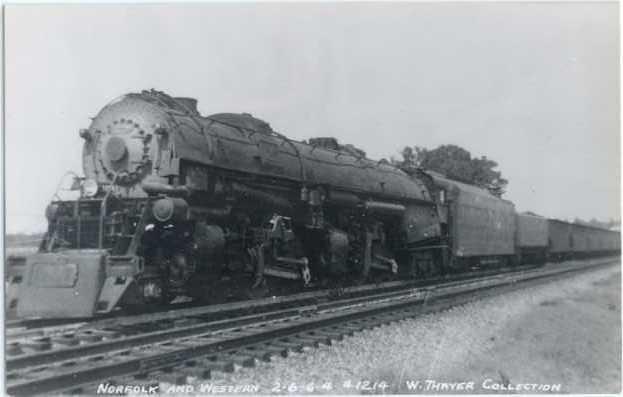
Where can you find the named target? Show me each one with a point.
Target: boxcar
(572, 240)
(600, 241)
(593, 241)
(532, 238)
(614, 239)
(560, 239)
(607, 241)
(481, 226)
(581, 239)
(611, 241)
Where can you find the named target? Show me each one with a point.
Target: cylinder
(170, 209)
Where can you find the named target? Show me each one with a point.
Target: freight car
(540, 239)
(561, 240)
(572, 240)
(532, 237)
(220, 207)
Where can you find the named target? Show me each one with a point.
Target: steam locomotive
(222, 207)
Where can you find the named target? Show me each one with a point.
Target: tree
(456, 163)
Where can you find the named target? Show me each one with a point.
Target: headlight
(89, 187)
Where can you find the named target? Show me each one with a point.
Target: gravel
(566, 333)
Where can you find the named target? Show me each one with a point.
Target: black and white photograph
(311, 198)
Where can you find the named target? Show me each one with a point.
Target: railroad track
(44, 334)
(43, 345)
(199, 348)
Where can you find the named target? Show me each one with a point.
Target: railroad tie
(19, 376)
(66, 340)
(351, 329)
(292, 346)
(140, 380)
(311, 341)
(216, 363)
(243, 332)
(259, 354)
(266, 352)
(321, 338)
(19, 333)
(194, 372)
(136, 353)
(14, 349)
(332, 334)
(78, 390)
(194, 342)
(38, 344)
(238, 357)
(164, 347)
(32, 373)
(172, 376)
(90, 337)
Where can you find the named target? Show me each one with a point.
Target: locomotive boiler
(177, 204)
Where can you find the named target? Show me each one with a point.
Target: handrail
(100, 237)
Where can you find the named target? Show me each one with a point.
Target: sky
(534, 86)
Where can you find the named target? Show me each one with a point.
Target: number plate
(54, 275)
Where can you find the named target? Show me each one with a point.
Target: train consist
(222, 207)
